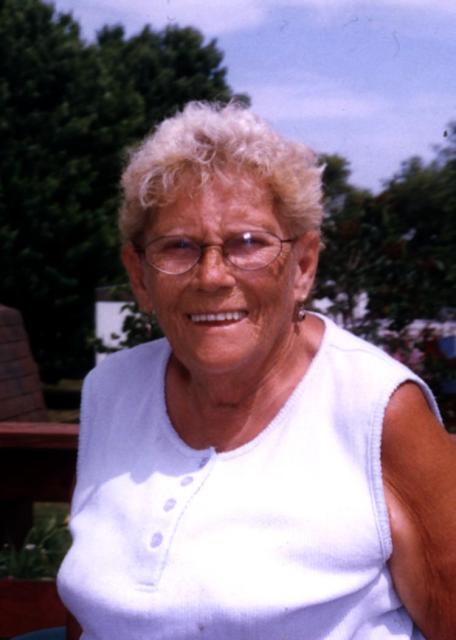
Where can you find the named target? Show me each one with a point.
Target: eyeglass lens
(249, 251)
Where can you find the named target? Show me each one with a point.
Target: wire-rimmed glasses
(249, 251)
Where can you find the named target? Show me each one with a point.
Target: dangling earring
(300, 311)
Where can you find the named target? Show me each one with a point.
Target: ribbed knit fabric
(285, 538)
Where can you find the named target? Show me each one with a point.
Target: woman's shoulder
(129, 364)
(344, 345)
(356, 366)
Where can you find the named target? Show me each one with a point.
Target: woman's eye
(249, 241)
(178, 244)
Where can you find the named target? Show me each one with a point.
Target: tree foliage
(397, 247)
(68, 109)
(390, 260)
(417, 211)
(348, 237)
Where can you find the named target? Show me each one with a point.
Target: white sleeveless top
(284, 538)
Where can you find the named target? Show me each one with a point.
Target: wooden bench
(37, 463)
(37, 458)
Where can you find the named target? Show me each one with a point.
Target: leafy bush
(41, 554)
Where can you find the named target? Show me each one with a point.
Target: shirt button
(203, 462)
(169, 504)
(186, 481)
(157, 539)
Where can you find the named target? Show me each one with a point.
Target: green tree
(417, 212)
(397, 247)
(395, 253)
(349, 236)
(68, 110)
(417, 275)
(167, 69)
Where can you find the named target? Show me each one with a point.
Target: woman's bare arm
(419, 471)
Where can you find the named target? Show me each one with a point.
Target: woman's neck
(226, 411)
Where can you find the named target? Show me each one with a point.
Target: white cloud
(375, 128)
(217, 17)
(315, 98)
(434, 5)
(213, 18)
(343, 5)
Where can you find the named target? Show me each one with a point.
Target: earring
(300, 311)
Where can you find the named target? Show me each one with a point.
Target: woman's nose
(213, 270)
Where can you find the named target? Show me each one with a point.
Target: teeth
(218, 317)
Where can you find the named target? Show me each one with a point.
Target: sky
(373, 81)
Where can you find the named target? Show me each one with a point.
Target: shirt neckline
(277, 420)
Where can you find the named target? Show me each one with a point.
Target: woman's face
(260, 303)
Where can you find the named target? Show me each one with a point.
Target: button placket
(170, 512)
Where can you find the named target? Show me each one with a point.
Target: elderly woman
(260, 473)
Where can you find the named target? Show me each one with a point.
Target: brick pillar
(21, 400)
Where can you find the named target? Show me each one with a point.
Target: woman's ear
(308, 251)
(136, 273)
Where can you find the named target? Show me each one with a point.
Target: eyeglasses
(249, 251)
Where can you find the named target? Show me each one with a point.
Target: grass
(44, 547)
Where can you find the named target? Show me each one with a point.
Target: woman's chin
(223, 360)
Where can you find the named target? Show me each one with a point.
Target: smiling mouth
(225, 316)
